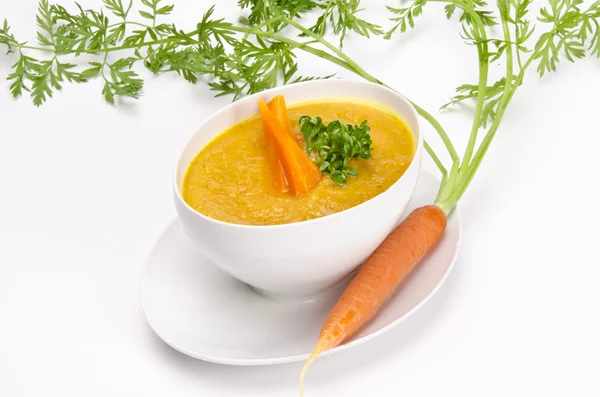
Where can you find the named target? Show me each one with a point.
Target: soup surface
(229, 179)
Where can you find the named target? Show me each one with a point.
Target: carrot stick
(378, 277)
(277, 175)
(301, 174)
(279, 108)
(280, 184)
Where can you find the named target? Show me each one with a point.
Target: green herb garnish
(334, 144)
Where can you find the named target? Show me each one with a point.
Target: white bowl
(304, 258)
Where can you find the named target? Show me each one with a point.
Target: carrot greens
(256, 54)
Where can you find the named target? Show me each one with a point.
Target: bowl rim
(418, 152)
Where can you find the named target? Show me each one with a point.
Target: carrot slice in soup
(279, 108)
(279, 182)
(301, 174)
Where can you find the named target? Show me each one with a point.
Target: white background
(85, 191)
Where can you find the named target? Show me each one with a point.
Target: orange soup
(228, 179)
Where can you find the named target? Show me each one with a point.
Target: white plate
(205, 313)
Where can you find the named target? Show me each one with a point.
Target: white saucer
(203, 312)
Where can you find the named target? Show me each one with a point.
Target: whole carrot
(379, 276)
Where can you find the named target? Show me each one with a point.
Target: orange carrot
(301, 174)
(278, 179)
(279, 108)
(379, 276)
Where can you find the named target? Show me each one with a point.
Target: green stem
(482, 49)
(303, 46)
(268, 22)
(440, 192)
(436, 159)
(29, 47)
(333, 49)
(487, 140)
(438, 128)
(130, 23)
(456, 187)
(102, 68)
(248, 30)
(447, 188)
(509, 56)
(354, 67)
(481, 151)
(100, 50)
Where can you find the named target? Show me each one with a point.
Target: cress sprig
(249, 58)
(335, 144)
